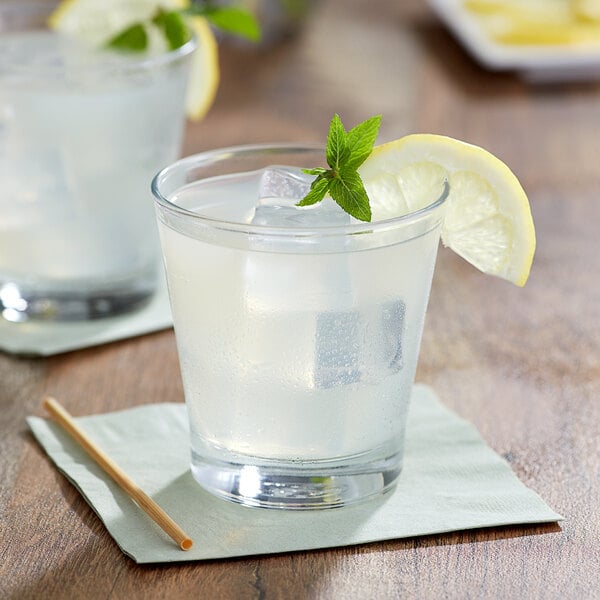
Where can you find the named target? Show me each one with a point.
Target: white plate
(534, 63)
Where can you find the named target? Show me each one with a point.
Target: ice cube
(323, 214)
(344, 345)
(280, 189)
(283, 183)
(353, 345)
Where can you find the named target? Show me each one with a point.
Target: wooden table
(522, 364)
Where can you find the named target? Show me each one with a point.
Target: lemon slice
(205, 74)
(518, 9)
(538, 22)
(487, 220)
(586, 10)
(97, 21)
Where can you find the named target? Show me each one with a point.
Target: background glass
(298, 344)
(82, 132)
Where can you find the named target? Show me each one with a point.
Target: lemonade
(299, 293)
(82, 131)
(298, 329)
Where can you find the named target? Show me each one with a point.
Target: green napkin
(451, 481)
(45, 338)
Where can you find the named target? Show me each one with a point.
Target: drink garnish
(172, 24)
(487, 218)
(135, 26)
(345, 152)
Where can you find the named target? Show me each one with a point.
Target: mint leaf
(361, 140)
(316, 171)
(234, 20)
(131, 39)
(345, 152)
(231, 19)
(337, 150)
(349, 192)
(318, 189)
(173, 26)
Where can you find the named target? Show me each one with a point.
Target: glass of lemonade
(297, 329)
(82, 132)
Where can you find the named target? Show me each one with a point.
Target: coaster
(45, 338)
(451, 481)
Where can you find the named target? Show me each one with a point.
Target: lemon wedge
(97, 21)
(487, 220)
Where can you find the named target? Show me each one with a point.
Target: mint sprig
(171, 23)
(345, 152)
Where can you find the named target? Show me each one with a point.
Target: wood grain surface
(522, 364)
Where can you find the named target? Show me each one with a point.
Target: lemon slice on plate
(487, 220)
(538, 22)
(97, 21)
(587, 10)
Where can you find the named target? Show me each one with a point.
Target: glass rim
(208, 157)
(133, 62)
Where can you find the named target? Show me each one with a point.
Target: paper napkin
(451, 481)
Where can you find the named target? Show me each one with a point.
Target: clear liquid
(293, 357)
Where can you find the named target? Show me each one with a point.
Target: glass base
(19, 304)
(296, 488)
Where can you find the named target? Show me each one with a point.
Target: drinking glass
(297, 334)
(82, 132)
